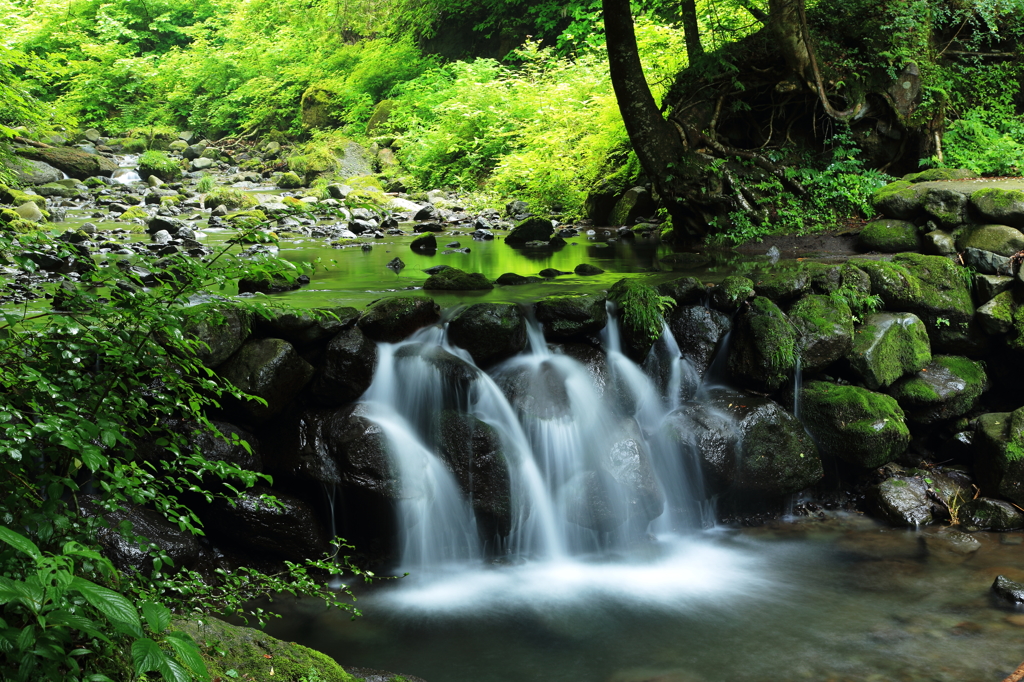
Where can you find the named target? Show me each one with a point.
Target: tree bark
(784, 22)
(691, 29)
(655, 140)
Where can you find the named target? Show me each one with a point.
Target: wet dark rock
(359, 447)
(1008, 591)
(698, 330)
(536, 394)
(148, 527)
(347, 370)
(220, 332)
(595, 500)
(531, 229)
(426, 242)
(587, 270)
(275, 284)
(304, 327)
(902, 501)
(763, 349)
(987, 262)
(684, 290)
(270, 369)
(512, 279)
(393, 319)
(629, 464)
(999, 455)
(473, 452)
(948, 387)
(490, 332)
(287, 529)
(453, 279)
(428, 227)
(564, 317)
(428, 212)
(861, 427)
(985, 513)
(550, 273)
(170, 225)
(453, 374)
(436, 269)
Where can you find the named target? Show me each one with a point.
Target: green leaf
(147, 656)
(157, 616)
(111, 604)
(188, 652)
(20, 543)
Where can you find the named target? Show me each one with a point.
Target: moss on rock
(731, 292)
(289, 180)
(531, 229)
(16, 197)
(453, 279)
(999, 205)
(890, 235)
(854, 424)
(948, 387)
(933, 174)
(1000, 239)
(889, 346)
(824, 328)
(229, 198)
(763, 352)
(900, 199)
(159, 164)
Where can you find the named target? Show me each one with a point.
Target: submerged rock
(453, 279)
(1008, 590)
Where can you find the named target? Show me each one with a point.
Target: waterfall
(590, 468)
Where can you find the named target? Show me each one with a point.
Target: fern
(643, 308)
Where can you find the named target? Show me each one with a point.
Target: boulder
(30, 212)
(824, 328)
(999, 455)
(985, 513)
(512, 279)
(490, 332)
(731, 293)
(629, 464)
(347, 370)
(72, 161)
(595, 500)
(148, 527)
(782, 284)
(902, 501)
(587, 270)
(634, 204)
(219, 332)
(987, 262)
(472, 451)
(1002, 240)
(227, 445)
(1001, 206)
(270, 369)
(31, 172)
(154, 163)
(565, 317)
(698, 330)
(287, 529)
(360, 450)
(425, 242)
(888, 346)
(683, 290)
(531, 229)
(938, 243)
(949, 545)
(453, 279)
(452, 375)
(935, 174)
(303, 327)
(948, 387)
(1008, 591)
(393, 319)
(947, 206)
(763, 349)
(889, 235)
(854, 424)
(747, 445)
(900, 199)
(987, 287)
(288, 180)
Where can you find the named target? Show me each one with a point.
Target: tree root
(31, 143)
(1017, 675)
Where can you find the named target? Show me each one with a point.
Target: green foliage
(643, 308)
(205, 184)
(859, 302)
(87, 392)
(229, 197)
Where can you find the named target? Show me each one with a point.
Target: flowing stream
(612, 569)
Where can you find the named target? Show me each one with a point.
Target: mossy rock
(566, 317)
(945, 205)
(985, 513)
(824, 331)
(19, 226)
(782, 284)
(16, 197)
(393, 319)
(380, 116)
(1001, 206)
(159, 164)
(1015, 340)
(889, 235)
(900, 199)
(999, 455)
(317, 106)
(997, 315)
(999, 239)
(425, 242)
(133, 213)
(854, 424)
(8, 215)
(529, 230)
(246, 219)
(230, 198)
(935, 174)
(490, 332)
(947, 388)
(236, 652)
(846, 276)
(888, 346)
(763, 349)
(731, 293)
(289, 180)
(75, 162)
(454, 279)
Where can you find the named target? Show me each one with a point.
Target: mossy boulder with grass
(948, 387)
(889, 235)
(1001, 206)
(230, 198)
(425, 242)
(900, 199)
(159, 164)
(289, 180)
(999, 455)
(453, 279)
(763, 350)
(75, 162)
(996, 316)
(936, 174)
(566, 317)
(246, 220)
(731, 293)
(999, 239)
(782, 284)
(824, 329)
(16, 197)
(134, 213)
(889, 346)
(530, 230)
(856, 425)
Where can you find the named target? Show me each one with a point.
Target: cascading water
(590, 468)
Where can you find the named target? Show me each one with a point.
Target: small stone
(1008, 590)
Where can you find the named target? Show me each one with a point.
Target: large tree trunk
(655, 140)
(786, 26)
(691, 29)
